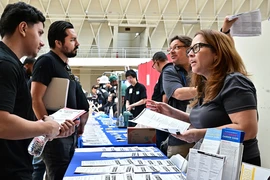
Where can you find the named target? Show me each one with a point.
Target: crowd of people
(133, 97)
(206, 73)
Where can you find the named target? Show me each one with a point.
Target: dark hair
(131, 73)
(113, 96)
(160, 56)
(57, 31)
(29, 61)
(95, 87)
(183, 39)
(16, 13)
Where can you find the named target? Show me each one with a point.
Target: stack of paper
(232, 147)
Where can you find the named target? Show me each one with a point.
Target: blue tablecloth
(86, 156)
(111, 137)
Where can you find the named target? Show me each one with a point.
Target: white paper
(132, 154)
(233, 152)
(180, 162)
(211, 141)
(104, 170)
(252, 172)
(159, 121)
(128, 176)
(202, 165)
(247, 24)
(66, 114)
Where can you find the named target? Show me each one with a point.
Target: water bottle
(121, 120)
(37, 145)
(111, 116)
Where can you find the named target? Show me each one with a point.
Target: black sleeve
(238, 94)
(43, 70)
(9, 78)
(81, 99)
(143, 92)
(127, 95)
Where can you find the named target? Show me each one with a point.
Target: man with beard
(63, 44)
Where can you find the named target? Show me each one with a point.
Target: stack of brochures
(219, 157)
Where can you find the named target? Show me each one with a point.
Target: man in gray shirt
(175, 84)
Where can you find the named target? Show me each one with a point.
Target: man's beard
(72, 53)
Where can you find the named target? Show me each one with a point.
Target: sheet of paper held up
(66, 114)
(247, 24)
(162, 122)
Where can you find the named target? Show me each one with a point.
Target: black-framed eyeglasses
(197, 47)
(153, 65)
(174, 48)
(71, 76)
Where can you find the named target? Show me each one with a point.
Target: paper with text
(247, 24)
(67, 114)
(202, 165)
(162, 122)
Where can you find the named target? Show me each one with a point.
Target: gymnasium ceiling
(164, 18)
(95, 20)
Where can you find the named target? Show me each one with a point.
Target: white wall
(256, 56)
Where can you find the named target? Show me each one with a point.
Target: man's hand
(52, 126)
(129, 107)
(67, 129)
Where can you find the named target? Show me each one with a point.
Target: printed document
(202, 165)
(66, 114)
(159, 121)
(247, 24)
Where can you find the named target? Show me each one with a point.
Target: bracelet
(227, 32)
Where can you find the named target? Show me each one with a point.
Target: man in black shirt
(63, 43)
(28, 65)
(21, 27)
(160, 63)
(135, 95)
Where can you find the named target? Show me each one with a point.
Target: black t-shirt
(238, 94)
(15, 98)
(45, 68)
(158, 89)
(50, 65)
(135, 94)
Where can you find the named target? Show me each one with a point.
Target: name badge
(130, 91)
(137, 92)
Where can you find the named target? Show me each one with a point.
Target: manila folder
(56, 94)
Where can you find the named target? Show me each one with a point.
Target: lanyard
(183, 78)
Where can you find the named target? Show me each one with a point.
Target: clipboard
(56, 94)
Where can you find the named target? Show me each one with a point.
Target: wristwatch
(227, 32)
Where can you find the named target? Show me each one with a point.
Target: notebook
(56, 94)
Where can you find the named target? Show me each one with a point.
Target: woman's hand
(191, 135)
(227, 24)
(159, 107)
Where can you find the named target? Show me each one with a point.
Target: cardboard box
(137, 135)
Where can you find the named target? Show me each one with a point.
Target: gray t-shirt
(237, 94)
(173, 78)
